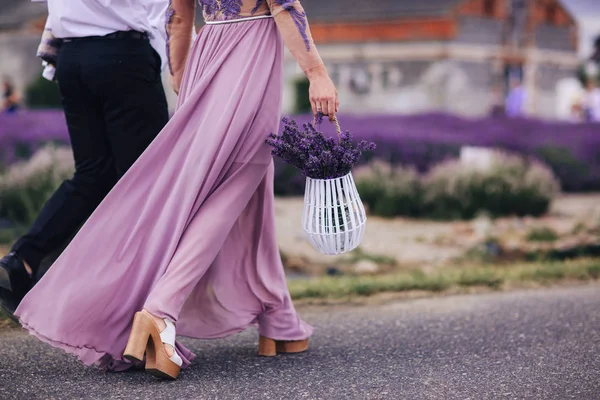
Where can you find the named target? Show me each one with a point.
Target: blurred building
(21, 24)
(396, 56)
(449, 55)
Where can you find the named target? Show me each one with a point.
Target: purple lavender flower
(317, 156)
(298, 17)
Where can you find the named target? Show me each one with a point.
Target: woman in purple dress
(187, 237)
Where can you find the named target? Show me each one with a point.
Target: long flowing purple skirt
(189, 232)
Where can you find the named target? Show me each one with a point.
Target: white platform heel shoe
(146, 338)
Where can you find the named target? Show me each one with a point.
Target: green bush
(388, 191)
(41, 93)
(565, 165)
(25, 187)
(511, 186)
(542, 234)
(302, 101)
(7, 236)
(451, 190)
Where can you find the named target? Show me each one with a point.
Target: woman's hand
(175, 82)
(322, 93)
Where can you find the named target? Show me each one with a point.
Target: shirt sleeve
(158, 38)
(179, 24)
(49, 45)
(293, 25)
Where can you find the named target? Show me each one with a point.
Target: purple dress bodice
(289, 16)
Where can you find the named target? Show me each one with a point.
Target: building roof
(366, 10)
(17, 13)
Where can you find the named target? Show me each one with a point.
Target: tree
(591, 69)
(42, 93)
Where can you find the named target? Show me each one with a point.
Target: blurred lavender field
(571, 150)
(422, 141)
(25, 131)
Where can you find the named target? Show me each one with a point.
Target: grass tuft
(5, 322)
(360, 255)
(543, 234)
(494, 277)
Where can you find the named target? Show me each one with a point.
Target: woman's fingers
(313, 105)
(331, 109)
(323, 97)
(327, 107)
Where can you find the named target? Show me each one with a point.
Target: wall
(545, 100)
(554, 37)
(18, 60)
(401, 77)
(419, 77)
(409, 87)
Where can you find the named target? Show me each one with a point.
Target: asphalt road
(538, 344)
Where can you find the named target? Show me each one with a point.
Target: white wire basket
(334, 217)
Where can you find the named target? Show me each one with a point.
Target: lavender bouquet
(333, 217)
(317, 156)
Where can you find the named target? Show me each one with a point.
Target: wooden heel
(292, 346)
(145, 339)
(269, 347)
(138, 338)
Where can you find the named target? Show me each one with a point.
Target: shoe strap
(168, 337)
(168, 334)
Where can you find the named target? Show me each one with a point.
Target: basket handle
(335, 123)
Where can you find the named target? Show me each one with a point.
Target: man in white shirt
(108, 62)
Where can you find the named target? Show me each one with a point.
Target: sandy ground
(401, 239)
(418, 241)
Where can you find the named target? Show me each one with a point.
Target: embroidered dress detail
(258, 4)
(179, 27)
(231, 8)
(298, 17)
(168, 16)
(209, 7)
(289, 16)
(221, 10)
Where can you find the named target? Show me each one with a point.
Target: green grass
(493, 277)
(5, 321)
(7, 236)
(359, 255)
(579, 228)
(542, 235)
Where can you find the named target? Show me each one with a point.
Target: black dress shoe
(15, 282)
(8, 304)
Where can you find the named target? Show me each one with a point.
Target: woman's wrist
(316, 72)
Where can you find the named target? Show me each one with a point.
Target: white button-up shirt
(81, 18)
